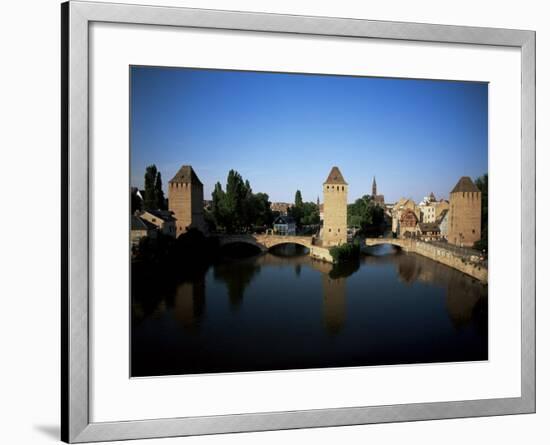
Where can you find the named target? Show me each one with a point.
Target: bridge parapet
(468, 264)
(265, 242)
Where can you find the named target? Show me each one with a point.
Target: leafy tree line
(154, 196)
(482, 184)
(238, 208)
(304, 213)
(365, 214)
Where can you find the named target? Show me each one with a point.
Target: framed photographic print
(276, 222)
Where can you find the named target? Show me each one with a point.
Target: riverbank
(468, 265)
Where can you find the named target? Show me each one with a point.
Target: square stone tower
(335, 209)
(185, 200)
(464, 223)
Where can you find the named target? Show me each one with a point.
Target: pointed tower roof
(465, 184)
(335, 177)
(374, 181)
(186, 174)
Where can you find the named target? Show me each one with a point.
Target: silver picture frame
(75, 395)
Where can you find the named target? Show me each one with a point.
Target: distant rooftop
(465, 184)
(186, 174)
(138, 223)
(283, 219)
(165, 215)
(335, 177)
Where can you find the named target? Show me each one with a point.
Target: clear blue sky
(284, 132)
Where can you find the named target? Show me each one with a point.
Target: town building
(429, 231)
(186, 201)
(163, 220)
(465, 213)
(443, 223)
(335, 209)
(397, 210)
(284, 225)
(141, 228)
(441, 206)
(427, 208)
(408, 224)
(430, 208)
(378, 199)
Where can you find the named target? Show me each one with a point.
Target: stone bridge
(265, 242)
(405, 244)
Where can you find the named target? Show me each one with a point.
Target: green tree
(160, 202)
(150, 196)
(298, 201)
(366, 215)
(310, 214)
(261, 214)
(297, 210)
(238, 207)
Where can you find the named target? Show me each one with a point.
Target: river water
(283, 310)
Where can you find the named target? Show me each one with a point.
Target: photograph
(283, 221)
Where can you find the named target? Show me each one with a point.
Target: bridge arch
(265, 242)
(227, 241)
(282, 243)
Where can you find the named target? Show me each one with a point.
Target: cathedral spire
(374, 186)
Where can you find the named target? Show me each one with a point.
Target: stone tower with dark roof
(185, 200)
(464, 223)
(335, 209)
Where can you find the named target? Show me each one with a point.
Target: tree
(297, 210)
(150, 196)
(482, 184)
(160, 202)
(310, 214)
(238, 207)
(366, 215)
(298, 202)
(154, 196)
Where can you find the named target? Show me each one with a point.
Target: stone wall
(464, 218)
(335, 214)
(186, 201)
(321, 253)
(470, 266)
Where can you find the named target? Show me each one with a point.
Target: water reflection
(283, 310)
(189, 304)
(334, 303)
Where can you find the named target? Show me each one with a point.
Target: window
(338, 230)
(330, 230)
